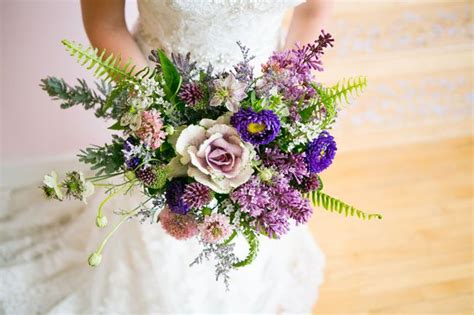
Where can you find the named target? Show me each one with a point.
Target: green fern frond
(343, 90)
(252, 240)
(107, 68)
(332, 204)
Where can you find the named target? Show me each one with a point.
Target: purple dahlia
(320, 152)
(256, 127)
(174, 197)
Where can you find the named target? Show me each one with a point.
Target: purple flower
(320, 152)
(256, 128)
(191, 94)
(196, 195)
(174, 197)
(274, 223)
(131, 161)
(310, 183)
(292, 165)
(252, 196)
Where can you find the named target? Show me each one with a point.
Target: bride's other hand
(104, 22)
(307, 21)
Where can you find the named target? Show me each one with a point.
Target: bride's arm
(104, 22)
(307, 21)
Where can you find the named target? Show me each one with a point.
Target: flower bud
(94, 259)
(169, 130)
(266, 174)
(130, 175)
(101, 221)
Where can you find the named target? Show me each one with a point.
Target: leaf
(117, 126)
(108, 68)
(318, 198)
(170, 75)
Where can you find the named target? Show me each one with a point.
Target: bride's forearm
(104, 22)
(307, 21)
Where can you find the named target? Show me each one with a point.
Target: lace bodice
(209, 29)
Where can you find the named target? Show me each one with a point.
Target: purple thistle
(196, 195)
(320, 152)
(191, 94)
(256, 127)
(174, 197)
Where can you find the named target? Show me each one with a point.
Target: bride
(44, 245)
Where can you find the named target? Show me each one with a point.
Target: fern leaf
(252, 240)
(332, 204)
(107, 68)
(343, 90)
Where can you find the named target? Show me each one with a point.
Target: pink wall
(32, 125)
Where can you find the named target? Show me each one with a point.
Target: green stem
(116, 227)
(102, 204)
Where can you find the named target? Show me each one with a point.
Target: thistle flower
(174, 197)
(196, 195)
(177, 225)
(320, 152)
(191, 94)
(229, 91)
(150, 131)
(215, 228)
(256, 128)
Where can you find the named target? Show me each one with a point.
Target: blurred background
(406, 145)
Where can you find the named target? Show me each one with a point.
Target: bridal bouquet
(215, 154)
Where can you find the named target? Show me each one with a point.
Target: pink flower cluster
(215, 228)
(150, 131)
(177, 225)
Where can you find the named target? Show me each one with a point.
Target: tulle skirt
(44, 246)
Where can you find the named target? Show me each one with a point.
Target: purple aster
(191, 93)
(174, 197)
(320, 152)
(292, 165)
(197, 195)
(252, 196)
(256, 127)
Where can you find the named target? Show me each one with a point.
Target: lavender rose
(214, 155)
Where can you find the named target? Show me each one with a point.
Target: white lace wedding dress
(44, 245)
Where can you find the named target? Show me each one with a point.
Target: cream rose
(214, 155)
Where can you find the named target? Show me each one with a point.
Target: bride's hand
(307, 21)
(104, 22)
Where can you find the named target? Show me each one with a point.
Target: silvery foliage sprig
(224, 256)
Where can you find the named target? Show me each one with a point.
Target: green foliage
(109, 68)
(343, 90)
(252, 240)
(318, 198)
(80, 94)
(107, 159)
(170, 75)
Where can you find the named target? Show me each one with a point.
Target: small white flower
(52, 182)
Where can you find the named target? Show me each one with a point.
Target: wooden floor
(418, 259)
(406, 151)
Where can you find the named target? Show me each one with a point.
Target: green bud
(94, 259)
(266, 174)
(161, 174)
(101, 221)
(130, 175)
(169, 130)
